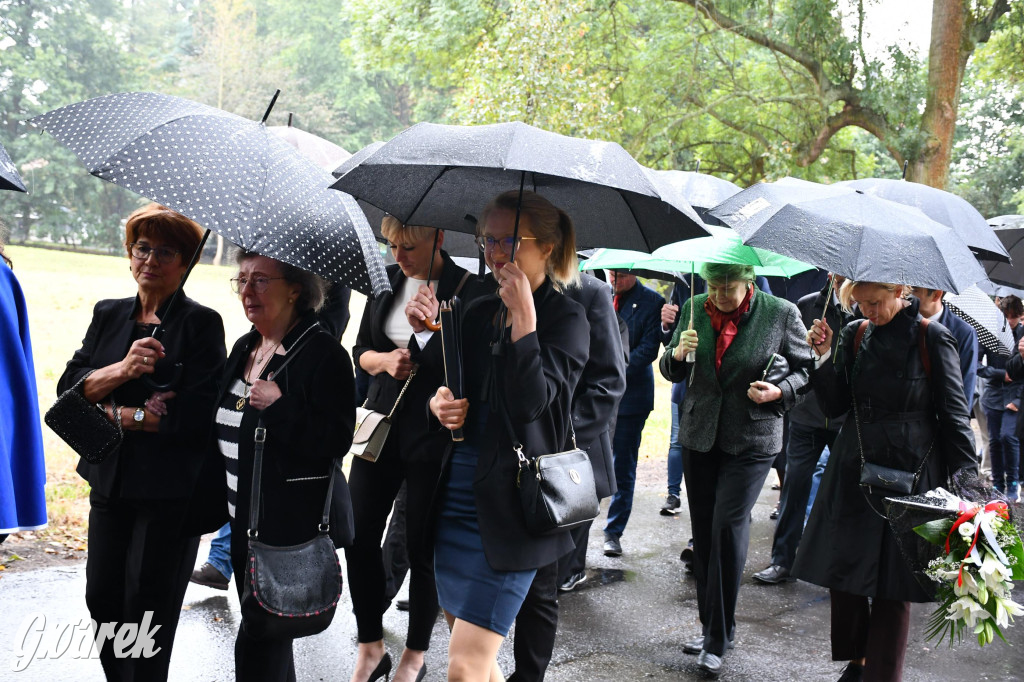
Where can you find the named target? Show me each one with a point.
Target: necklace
(257, 361)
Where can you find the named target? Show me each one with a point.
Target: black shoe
(383, 669)
(575, 579)
(672, 505)
(686, 556)
(209, 576)
(853, 672)
(773, 575)
(612, 546)
(775, 512)
(709, 663)
(402, 604)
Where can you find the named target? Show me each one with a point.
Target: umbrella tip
(697, 169)
(905, 164)
(290, 114)
(273, 101)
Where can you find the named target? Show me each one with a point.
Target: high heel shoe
(422, 673)
(383, 669)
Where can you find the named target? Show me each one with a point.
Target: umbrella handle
(432, 325)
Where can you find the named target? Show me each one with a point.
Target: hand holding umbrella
(422, 309)
(687, 344)
(819, 337)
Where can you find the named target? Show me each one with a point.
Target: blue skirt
(467, 587)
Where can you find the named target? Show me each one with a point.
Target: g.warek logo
(84, 639)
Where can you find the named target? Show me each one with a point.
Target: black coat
(640, 308)
(409, 437)
(307, 427)
(537, 375)
(602, 383)
(846, 545)
(165, 464)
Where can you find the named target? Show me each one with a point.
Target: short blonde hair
(845, 292)
(395, 232)
(550, 225)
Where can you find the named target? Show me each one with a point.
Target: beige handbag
(372, 428)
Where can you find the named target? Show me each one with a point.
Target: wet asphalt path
(626, 623)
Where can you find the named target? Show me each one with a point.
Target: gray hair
(726, 272)
(314, 287)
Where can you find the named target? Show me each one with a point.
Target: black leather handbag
(557, 492)
(776, 370)
(83, 426)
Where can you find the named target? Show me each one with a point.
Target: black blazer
(409, 436)
(166, 464)
(307, 427)
(537, 375)
(602, 383)
(640, 307)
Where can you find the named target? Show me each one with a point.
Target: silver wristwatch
(139, 415)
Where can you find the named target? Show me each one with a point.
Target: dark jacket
(967, 347)
(640, 308)
(998, 393)
(602, 383)
(716, 411)
(164, 464)
(537, 375)
(307, 427)
(807, 412)
(902, 415)
(409, 437)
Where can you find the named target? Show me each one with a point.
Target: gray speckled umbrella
(228, 174)
(852, 234)
(701, 190)
(1009, 229)
(435, 174)
(941, 206)
(9, 178)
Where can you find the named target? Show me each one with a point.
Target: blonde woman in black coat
(909, 418)
(485, 558)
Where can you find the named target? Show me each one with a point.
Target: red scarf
(724, 324)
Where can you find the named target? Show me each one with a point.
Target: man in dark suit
(966, 338)
(594, 404)
(640, 308)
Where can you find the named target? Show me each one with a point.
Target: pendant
(240, 404)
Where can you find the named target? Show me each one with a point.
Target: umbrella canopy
(701, 190)
(992, 289)
(227, 173)
(978, 310)
(1006, 221)
(942, 207)
(323, 153)
(725, 246)
(1010, 233)
(9, 178)
(434, 174)
(621, 259)
(851, 234)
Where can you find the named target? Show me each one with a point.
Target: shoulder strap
(859, 336)
(462, 283)
(922, 344)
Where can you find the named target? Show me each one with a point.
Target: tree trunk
(947, 58)
(219, 256)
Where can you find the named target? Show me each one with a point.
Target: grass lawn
(62, 287)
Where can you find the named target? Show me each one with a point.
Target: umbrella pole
(828, 295)
(499, 346)
(691, 356)
(273, 101)
(431, 324)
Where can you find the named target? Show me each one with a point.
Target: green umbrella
(724, 246)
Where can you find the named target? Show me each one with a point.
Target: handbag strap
(114, 407)
(259, 440)
(401, 393)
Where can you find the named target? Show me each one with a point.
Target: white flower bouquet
(981, 554)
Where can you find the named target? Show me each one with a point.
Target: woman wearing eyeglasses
(308, 411)
(410, 454)
(140, 550)
(485, 558)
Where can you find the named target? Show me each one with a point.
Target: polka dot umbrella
(9, 178)
(228, 174)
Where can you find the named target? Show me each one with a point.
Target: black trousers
(374, 486)
(877, 631)
(805, 446)
(536, 625)
(721, 489)
(576, 560)
(256, 660)
(138, 563)
(394, 555)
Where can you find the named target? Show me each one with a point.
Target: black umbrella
(227, 173)
(851, 234)
(435, 174)
(701, 190)
(9, 178)
(976, 309)
(942, 207)
(1010, 231)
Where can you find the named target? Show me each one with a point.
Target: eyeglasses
(164, 255)
(259, 284)
(487, 243)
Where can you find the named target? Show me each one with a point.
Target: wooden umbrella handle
(432, 325)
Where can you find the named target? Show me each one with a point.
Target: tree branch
(849, 116)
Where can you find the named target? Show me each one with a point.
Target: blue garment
(967, 346)
(220, 551)
(675, 456)
(22, 471)
(625, 452)
(803, 452)
(640, 309)
(1004, 447)
(467, 587)
(819, 470)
